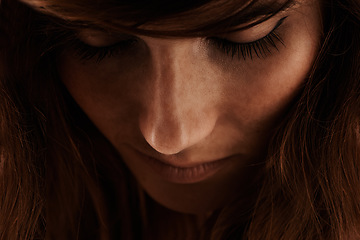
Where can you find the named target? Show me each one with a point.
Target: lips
(184, 174)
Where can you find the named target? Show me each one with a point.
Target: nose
(178, 109)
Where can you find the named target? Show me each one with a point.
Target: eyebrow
(257, 12)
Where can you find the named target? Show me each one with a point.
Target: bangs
(161, 17)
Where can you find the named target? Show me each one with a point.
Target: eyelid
(96, 38)
(252, 34)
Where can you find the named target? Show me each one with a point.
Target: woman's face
(191, 121)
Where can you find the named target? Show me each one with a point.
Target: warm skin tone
(186, 102)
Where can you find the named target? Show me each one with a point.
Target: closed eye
(87, 52)
(260, 48)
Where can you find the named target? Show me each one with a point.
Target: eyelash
(261, 47)
(87, 52)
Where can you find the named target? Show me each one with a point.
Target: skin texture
(186, 102)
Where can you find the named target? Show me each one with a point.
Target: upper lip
(179, 162)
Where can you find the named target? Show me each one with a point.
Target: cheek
(104, 92)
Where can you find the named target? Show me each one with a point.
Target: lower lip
(185, 175)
